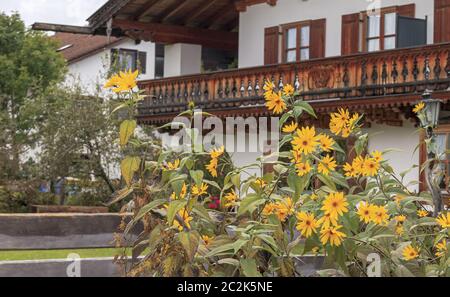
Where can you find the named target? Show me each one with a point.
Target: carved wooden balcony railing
(369, 75)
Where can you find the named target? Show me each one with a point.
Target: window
(159, 60)
(127, 59)
(381, 30)
(296, 42)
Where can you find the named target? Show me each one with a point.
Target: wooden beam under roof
(202, 10)
(162, 33)
(144, 10)
(62, 28)
(217, 16)
(172, 10)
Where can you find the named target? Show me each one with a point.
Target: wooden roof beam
(200, 11)
(62, 28)
(217, 16)
(241, 5)
(163, 33)
(144, 10)
(173, 10)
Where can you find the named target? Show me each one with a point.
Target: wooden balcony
(386, 76)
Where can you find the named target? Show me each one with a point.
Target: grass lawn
(58, 254)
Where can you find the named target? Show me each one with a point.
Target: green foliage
(18, 197)
(258, 226)
(29, 65)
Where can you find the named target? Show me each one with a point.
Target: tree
(29, 66)
(78, 138)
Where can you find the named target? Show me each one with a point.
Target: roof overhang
(211, 23)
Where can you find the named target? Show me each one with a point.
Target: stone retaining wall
(58, 231)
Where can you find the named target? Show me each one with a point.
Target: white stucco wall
(182, 59)
(404, 140)
(90, 71)
(257, 17)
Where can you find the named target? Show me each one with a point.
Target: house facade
(373, 57)
(90, 58)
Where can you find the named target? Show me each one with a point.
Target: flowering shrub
(315, 203)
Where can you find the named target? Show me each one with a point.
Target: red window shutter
(350, 34)
(271, 45)
(441, 21)
(317, 42)
(408, 10)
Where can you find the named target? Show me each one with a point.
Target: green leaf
(174, 207)
(229, 261)
(201, 211)
(212, 183)
(120, 195)
(249, 268)
(128, 167)
(236, 180)
(284, 118)
(221, 249)
(249, 204)
(304, 106)
(297, 183)
(361, 144)
(197, 176)
(148, 207)
(189, 241)
(327, 181)
(126, 131)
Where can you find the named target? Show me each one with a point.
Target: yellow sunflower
(422, 213)
(296, 157)
(288, 90)
(269, 86)
(444, 220)
(370, 167)
(399, 230)
(377, 156)
(326, 165)
(419, 107)
(183, 215)
(230, 198)
(217, 153)
(123, 82)
(212, 167)
(350, 171)
(306, 140)
(400, 219)
(441, 248)
(303, 168)
(199, 191)
(260, 182)
(380, 215)
(288, 205)
(182, 194)
(289, 128)
(326, 221)
(358, 165)
(207, 240)
(173, 166)
(332, 235)
(307, 224)
(410, 253)
(275, 103)
(366, 212)
(335, 204)
(269, 209)
(326, 142)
